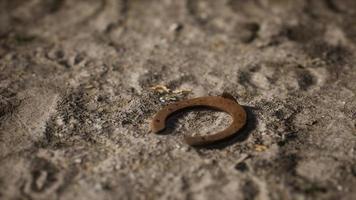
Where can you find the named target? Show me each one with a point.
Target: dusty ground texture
(75, 98)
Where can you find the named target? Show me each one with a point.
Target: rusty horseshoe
(224, 103)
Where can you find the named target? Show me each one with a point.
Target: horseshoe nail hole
(198, 121)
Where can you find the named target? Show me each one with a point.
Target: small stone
(91, 106)
(176, 27)
(185, 148)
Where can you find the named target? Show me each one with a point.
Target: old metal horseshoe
(224, 103)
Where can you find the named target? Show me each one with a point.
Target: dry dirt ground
(75, 98)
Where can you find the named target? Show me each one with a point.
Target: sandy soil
(75, 98)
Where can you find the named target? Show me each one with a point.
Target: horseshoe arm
(227, 105)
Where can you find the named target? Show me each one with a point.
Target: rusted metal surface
(223, 103)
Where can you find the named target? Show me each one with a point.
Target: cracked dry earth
(75, 98)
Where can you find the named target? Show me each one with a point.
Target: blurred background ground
(75, 98)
